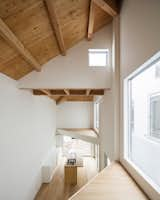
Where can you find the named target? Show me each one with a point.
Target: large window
(142, 120)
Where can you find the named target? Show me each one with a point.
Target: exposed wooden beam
(67, 91)
(47, 92)
(79, 98)
(91, 20)
(60, 100)
(55, 25)
(104, 5)
(73, 98)
(13, 41)
(88, 92)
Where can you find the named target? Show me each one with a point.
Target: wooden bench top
(113, 183)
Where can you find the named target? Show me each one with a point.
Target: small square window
(98, 57)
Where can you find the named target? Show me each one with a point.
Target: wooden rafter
(91, 20)
(60, 100)
(55, 25)
(88, 92)
(13, 41)
(104, 5)
(67, 91)
(48, 93)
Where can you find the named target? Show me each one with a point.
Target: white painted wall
(27, 128)
(75, 115)
(106, 129)
(139, 33)
(139, 38)
(72, 71)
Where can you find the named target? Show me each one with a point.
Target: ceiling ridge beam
(106, 7)
(13, 41)
(55, 25)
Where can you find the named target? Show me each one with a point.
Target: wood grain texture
(104, 5)
(58, 190)
(91, 20)
(70, 175)
(56, 25)
(113, 183)
(13, 41)
(29, 21)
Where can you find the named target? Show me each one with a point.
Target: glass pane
(98, 58)
(144, 122)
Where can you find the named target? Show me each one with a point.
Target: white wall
(106, 128)
(72, 70)
(27, 128)
(75, 115)
(139, 38)
(139, 33)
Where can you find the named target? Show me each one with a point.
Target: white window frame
(153, 134)
(96, 118)
(145, 182)
(99, 51)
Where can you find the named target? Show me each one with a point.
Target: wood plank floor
(58, 190)
(113, 183)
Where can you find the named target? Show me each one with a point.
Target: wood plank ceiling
(34, 31)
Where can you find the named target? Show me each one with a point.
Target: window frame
(150, 134)
(150, 188)
(98, 51)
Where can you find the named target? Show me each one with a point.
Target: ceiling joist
(62, 95)
(68, 92)
(13, 41)
(88, 92)
(56, 25)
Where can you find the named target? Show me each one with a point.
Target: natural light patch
(98, 57)
(142, 120)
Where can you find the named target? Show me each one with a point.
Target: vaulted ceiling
(34, 31)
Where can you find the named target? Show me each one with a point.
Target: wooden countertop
(113, 183)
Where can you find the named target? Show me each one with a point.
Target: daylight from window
(143, 144)
(98, 57)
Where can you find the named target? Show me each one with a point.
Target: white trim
(152, 190)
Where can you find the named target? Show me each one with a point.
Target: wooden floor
(113, 183)
(57, 190)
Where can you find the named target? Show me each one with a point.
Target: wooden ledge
(112, 183)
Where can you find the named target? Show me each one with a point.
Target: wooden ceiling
(62, 95)
(34, 31)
